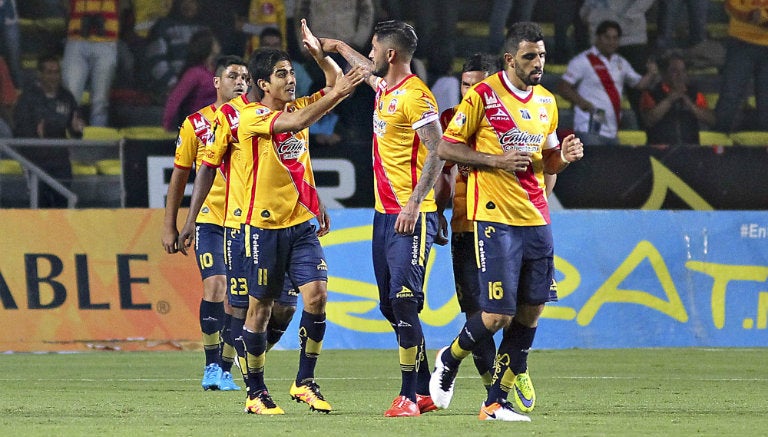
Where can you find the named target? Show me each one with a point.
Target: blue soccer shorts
(515, 265)
(209, 249)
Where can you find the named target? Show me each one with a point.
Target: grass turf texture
(579, 392)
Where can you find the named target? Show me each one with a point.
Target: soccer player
(226, 139)
(280, 201)
(230, 80)
(478, 67)
(510, 123)
(406, 167)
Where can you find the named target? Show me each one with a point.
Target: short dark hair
(398, 33)
(607, 24)
(481, 62)
(669, 56)
(261, 64)
(225, 61)
(47, 57)
(522, 31)
(271, 31)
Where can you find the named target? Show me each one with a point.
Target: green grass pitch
(664, 392)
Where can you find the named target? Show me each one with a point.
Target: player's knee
(314, 297)
(528, 315)
(388, 314)
(283, 313)
(494, 322)
(215, 288)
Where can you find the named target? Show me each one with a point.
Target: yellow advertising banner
(94, 279)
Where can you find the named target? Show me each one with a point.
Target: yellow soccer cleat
(524, 394)
(262, 404)
(309, 393)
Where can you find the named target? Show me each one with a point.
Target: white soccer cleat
(501, 410)
(441, 382)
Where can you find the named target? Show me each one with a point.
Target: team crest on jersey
(392, 106)
(460, 119)
(525, 114)
(543, 116)
(290, 149)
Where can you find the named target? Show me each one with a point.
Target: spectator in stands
(594, 82)
(8, 96)
(746, 64)
(436, 26)
(447, 87)
(674, 109)
(633, 44)
(566, 46)
(48, 110)
(169, 40)
(503, 14)
(90, 53)
(669, 19)
(195, 89)
(263, 14)
(11, 50)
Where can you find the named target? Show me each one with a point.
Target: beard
(528, 79)
(380, 70)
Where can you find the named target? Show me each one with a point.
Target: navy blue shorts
(209, 249)
(237, 280)
(399, 261)
(515, 265)
(465, 271)
(271, 254)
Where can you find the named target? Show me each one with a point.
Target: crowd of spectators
(156, 52)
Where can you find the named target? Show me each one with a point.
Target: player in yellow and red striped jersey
(230, 80)
(280, 203)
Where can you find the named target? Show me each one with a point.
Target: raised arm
(330, 68)
(429, 134)
(301, 119)
(352, 56)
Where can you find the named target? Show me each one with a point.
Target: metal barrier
(35, 174)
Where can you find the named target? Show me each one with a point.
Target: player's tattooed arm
(352, 56)
(429, 134)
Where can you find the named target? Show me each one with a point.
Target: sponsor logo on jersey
(291, 148)
(521, 140)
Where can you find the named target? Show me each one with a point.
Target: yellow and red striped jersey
(221, 150)
(280, 190)
(83, 11)
(190, 146)
(492, 119)
(459, 221)
(398, 154)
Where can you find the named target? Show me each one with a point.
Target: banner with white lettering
(79, 279)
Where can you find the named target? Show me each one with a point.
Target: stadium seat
(80, 168)
(562, 102)
(630, 137)
(147, 133)
(10, 167)
(101, 133)
(750, 138)
(712, 138)
(109, 167)
(712, 99)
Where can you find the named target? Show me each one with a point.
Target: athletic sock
(211, 320)
(255, 357)
(311, 333)
(410, 339)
